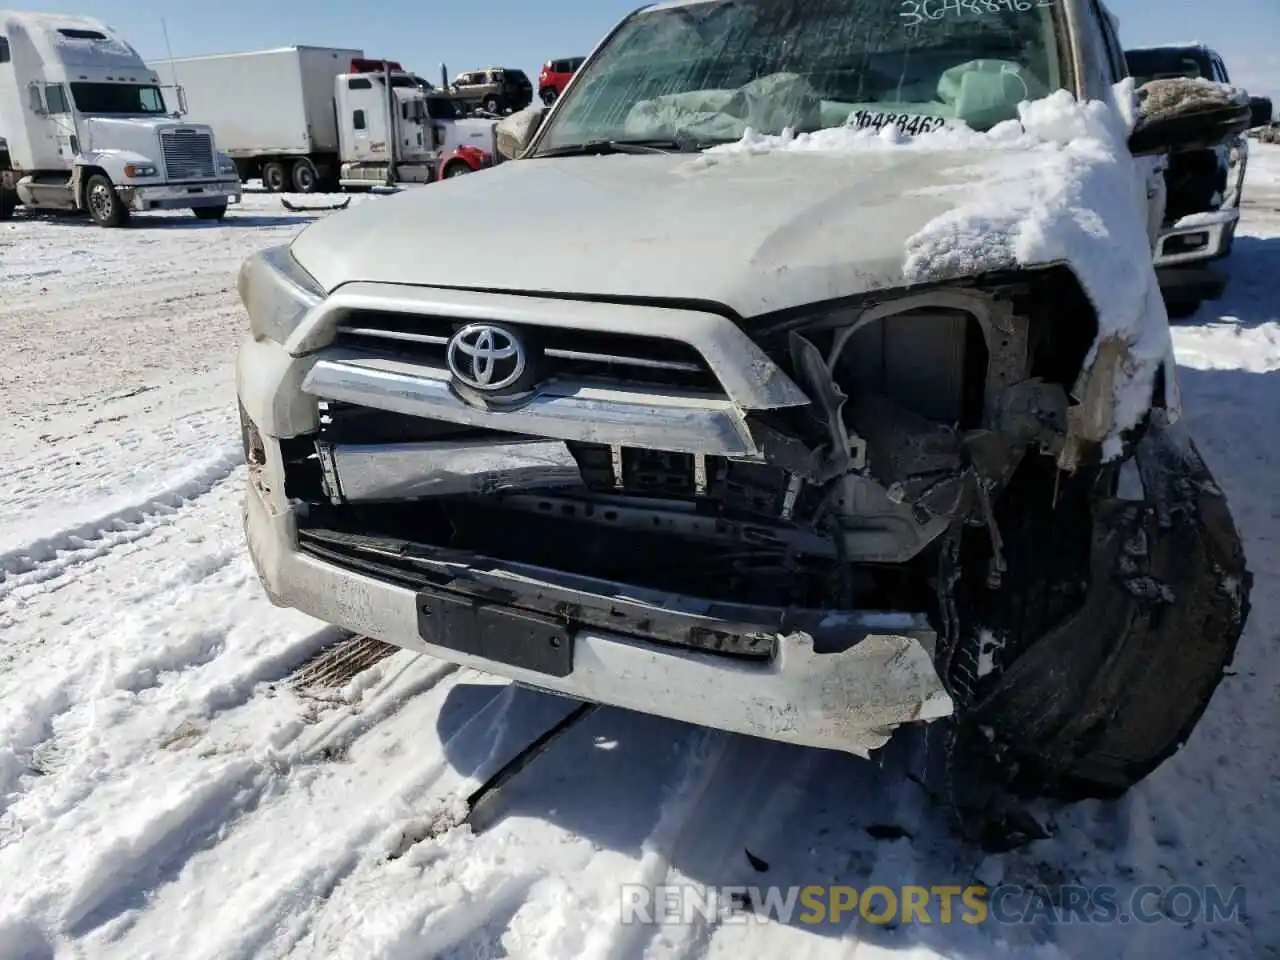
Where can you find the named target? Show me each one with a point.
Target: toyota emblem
(485, 357)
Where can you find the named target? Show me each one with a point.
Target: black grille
(188, 155)
(350, 423)
(740, 488)
(571, 354)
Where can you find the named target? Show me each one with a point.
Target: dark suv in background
(495, 89)
(1204, 186)
(555, 76)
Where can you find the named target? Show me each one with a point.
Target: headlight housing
(135, 170)
(277, 292)
(226, 164)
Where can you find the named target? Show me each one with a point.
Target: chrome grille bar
(188, 155)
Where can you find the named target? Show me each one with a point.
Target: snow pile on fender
(1158, 98)
(1057, 185)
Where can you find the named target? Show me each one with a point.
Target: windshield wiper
(599, 148)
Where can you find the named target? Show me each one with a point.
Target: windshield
(124, 98)
(1148, 65)
(707, 71)
(444, 108)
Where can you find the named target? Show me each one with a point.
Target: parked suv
(796, 443)
(1204, 185)
(495, 89)
(555, 77)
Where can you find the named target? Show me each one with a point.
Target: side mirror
(1260, 107)
(1180, 114)
(514, 133)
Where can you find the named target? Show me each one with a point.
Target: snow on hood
(773, 222)
(1065, 189)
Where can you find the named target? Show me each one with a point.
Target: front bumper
(1196, 238)
(181, 196)
(850, 700)
(847, 696)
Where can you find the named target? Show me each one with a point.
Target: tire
(105, 207)
(210, 213)
(1116, 621)
(456, 169)
(275, 178)
(8, 203)
(492, 104)
(304, 176)
(548, 96)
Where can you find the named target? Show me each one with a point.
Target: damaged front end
(910, 475)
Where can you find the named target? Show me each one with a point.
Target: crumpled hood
(756, 233)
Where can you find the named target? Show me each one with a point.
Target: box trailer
(272, 110)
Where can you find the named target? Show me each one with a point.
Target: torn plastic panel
(1110, 692)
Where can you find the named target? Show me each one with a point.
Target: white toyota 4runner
(740, 448)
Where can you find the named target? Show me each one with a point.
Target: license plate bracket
(517, 638)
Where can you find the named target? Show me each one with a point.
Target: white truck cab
(86, 126)
(392, 129)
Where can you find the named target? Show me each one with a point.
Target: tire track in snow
(189, 790)
(52, 556)
(469, 890)
(347, 834)
(682, 810)
(818, 830)
(236, 787)
(762, 784)
(190, 617)
(31, 745)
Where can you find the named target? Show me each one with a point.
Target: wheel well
(455, 163)
(80, 181)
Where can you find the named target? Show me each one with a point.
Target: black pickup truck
(1204, 186)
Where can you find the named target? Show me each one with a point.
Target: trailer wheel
(274, 177)
(104, 205)
(305, 177)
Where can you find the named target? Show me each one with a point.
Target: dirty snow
(1164, 96)
(1056, 185)
(169, 787)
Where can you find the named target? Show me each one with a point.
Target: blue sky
(523, 33)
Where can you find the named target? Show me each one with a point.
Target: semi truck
(86, 125)
(272, 109)
(309, 119)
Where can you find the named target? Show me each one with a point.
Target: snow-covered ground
(178, 778)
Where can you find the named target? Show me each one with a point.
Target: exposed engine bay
(922, 410)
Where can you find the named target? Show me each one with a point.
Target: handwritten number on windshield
(915, 12)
